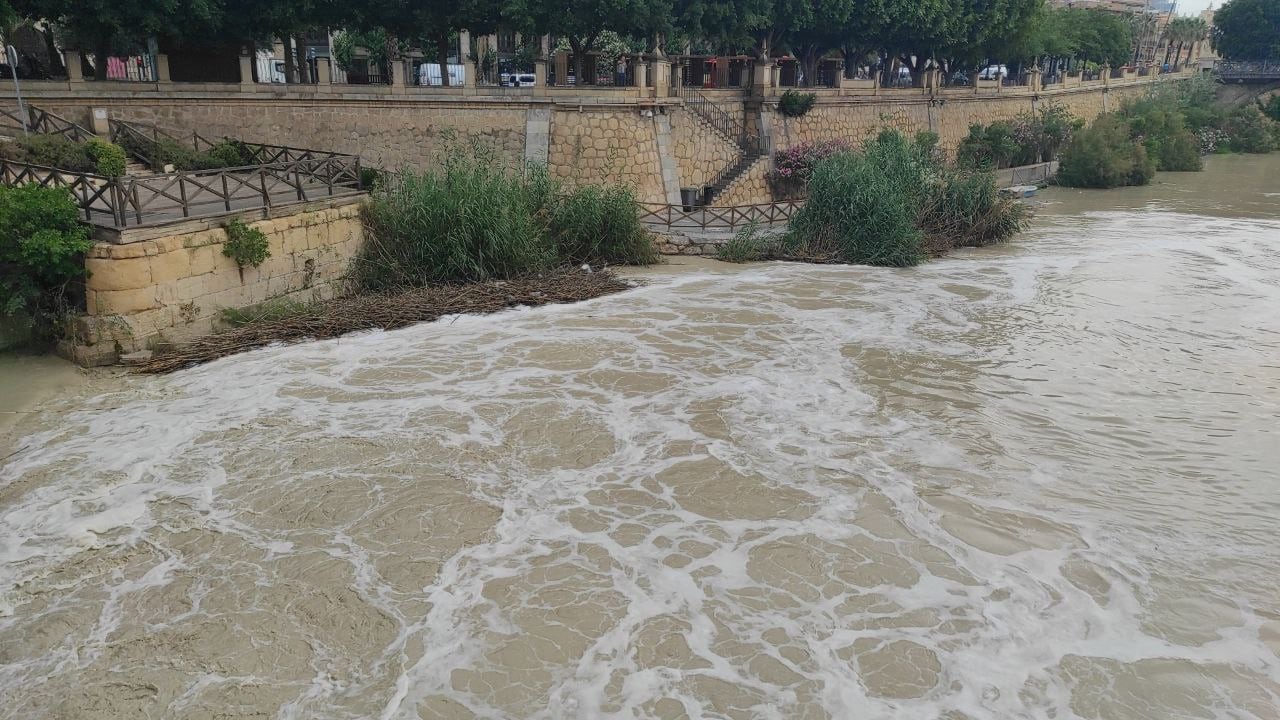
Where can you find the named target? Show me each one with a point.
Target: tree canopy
(951, 34)
(1247, 30)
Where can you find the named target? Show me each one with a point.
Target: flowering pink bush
(792, 167)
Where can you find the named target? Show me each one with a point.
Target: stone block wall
(174, 286)
(848, 120)
(595, 141)
(749, 188)
(384, 134)
(607, 146)
(701, 151)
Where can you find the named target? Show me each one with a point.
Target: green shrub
(42, 246)
(1104, 155)
(109, 159)
(370, 178)
(991, 146)
(1249, 131)
(171, 152)
(228, 153)
(894, 203)
(54, 151)
(598, 223)
(94, 156)
(1271, 108)
(795, 104)
(1160, 128)
(245, 245)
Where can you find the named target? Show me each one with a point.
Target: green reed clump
(965, 209)
(748, 245)
(474, 219)
(598, 223)
(895, 202)
(468, 220)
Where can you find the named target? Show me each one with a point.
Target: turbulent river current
(1034, 481)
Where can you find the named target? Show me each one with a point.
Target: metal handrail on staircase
(714, 114)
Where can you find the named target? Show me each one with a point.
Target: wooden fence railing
(133, 201)
(673, 217)
(44, 122)
(141, 138)
(93, 193)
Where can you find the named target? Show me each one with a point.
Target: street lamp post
(11, 54)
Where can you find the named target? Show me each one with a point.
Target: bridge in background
(1248, 71)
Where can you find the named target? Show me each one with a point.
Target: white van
(429, 74)
(994, 72)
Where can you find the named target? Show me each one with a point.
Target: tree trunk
(304, 68)
(100, 52)
(849, 55)
(56, 66)
(809, 61)
(442, 56)
(575, 45)
(917, 78)
(1168, 50)
(290, 60)
(1179, 55)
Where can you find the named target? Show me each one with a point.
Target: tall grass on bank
(598, 223)
(1104, 155)
(474, 219)
(894, 203)
(470, 220)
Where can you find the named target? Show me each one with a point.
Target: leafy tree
(723, 24)
(1247, 30)
(582, 22)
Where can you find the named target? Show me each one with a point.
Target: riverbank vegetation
(894, 202)
(470, 235)
(1170, 129)
(94, 156)
(473, 219)
(1031, 137)
(42, 247)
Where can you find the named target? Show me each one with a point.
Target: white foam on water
(983, 486)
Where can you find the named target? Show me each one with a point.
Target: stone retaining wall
(607, 146)
(174, 285)
(604, 138)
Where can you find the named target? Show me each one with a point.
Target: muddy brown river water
(1034, 481)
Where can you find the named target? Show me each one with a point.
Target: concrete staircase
(730, 175)
(751, 146)
(134, 168)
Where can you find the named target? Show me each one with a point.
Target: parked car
(994, 72)
(519, 80)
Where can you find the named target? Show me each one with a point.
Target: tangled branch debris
(332, 318)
